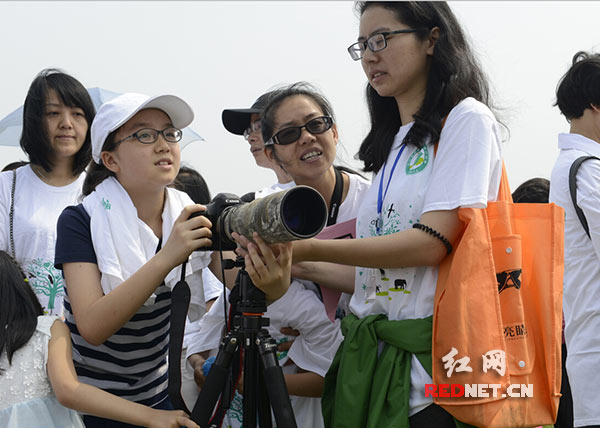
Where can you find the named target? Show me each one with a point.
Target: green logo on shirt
(106, 204)
(417, 161)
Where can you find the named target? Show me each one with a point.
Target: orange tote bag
(498, 312)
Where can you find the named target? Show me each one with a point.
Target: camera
(296, 213)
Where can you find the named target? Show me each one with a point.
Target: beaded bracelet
(435, 233)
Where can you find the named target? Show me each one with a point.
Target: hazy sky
(219, 55)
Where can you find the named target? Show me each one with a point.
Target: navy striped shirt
(132, 363)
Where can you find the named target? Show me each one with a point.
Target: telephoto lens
(296, 213)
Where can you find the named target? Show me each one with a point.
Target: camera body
(214, 212)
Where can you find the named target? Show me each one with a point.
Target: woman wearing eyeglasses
(121, 248)
(424, 87)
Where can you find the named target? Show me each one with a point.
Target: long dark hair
(19, 308)
(97, 172)
(454, 74)
(34, 138)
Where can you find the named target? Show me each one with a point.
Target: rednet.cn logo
(478, 390)
(492, 360)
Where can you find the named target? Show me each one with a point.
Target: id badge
(371, 290)
(379, 224)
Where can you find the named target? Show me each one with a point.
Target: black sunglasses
(286, 136)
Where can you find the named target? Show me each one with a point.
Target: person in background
(57, 116)
(534, 190)
(190, 181)
(37, 377)
(247, 122)
(578, 99)
(537, 191)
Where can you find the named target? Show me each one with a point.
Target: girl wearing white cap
(121, 249)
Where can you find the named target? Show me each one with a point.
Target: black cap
(237, 121)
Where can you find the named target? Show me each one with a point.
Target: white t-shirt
(277, 187)
(37, 207)
(581, 294)
(465, 173)
(312, 351)
(357, 190)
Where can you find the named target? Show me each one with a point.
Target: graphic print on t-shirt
(417, 161)
(394, 220)
(47, 283)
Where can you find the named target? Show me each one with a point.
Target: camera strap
(336, 198)
(180, 301)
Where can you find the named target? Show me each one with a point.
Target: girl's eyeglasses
(377, 42)
(149, 135)
(286, 136)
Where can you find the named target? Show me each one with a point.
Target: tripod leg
(215, 381)
(250, 382)
(265, 420)
(275, 382)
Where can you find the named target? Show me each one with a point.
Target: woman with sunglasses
(301, 136)
(304, 146)
(435, 147)
(121, 249)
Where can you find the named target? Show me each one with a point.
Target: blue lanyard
(381, 194)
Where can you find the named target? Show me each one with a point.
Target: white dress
(26, 397)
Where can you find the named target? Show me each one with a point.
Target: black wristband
(435, 233)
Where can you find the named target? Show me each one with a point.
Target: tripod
(264, 384)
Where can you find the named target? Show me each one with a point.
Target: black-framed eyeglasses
(286, 136)
(254, 127)
(149, 135)
(377, 42)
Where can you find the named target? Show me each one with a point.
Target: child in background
(30, 344)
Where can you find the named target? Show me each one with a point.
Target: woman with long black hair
(434, 145)
(57, 116)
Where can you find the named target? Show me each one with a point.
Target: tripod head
(245, 297)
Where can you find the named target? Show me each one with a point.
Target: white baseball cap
(114, 113)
